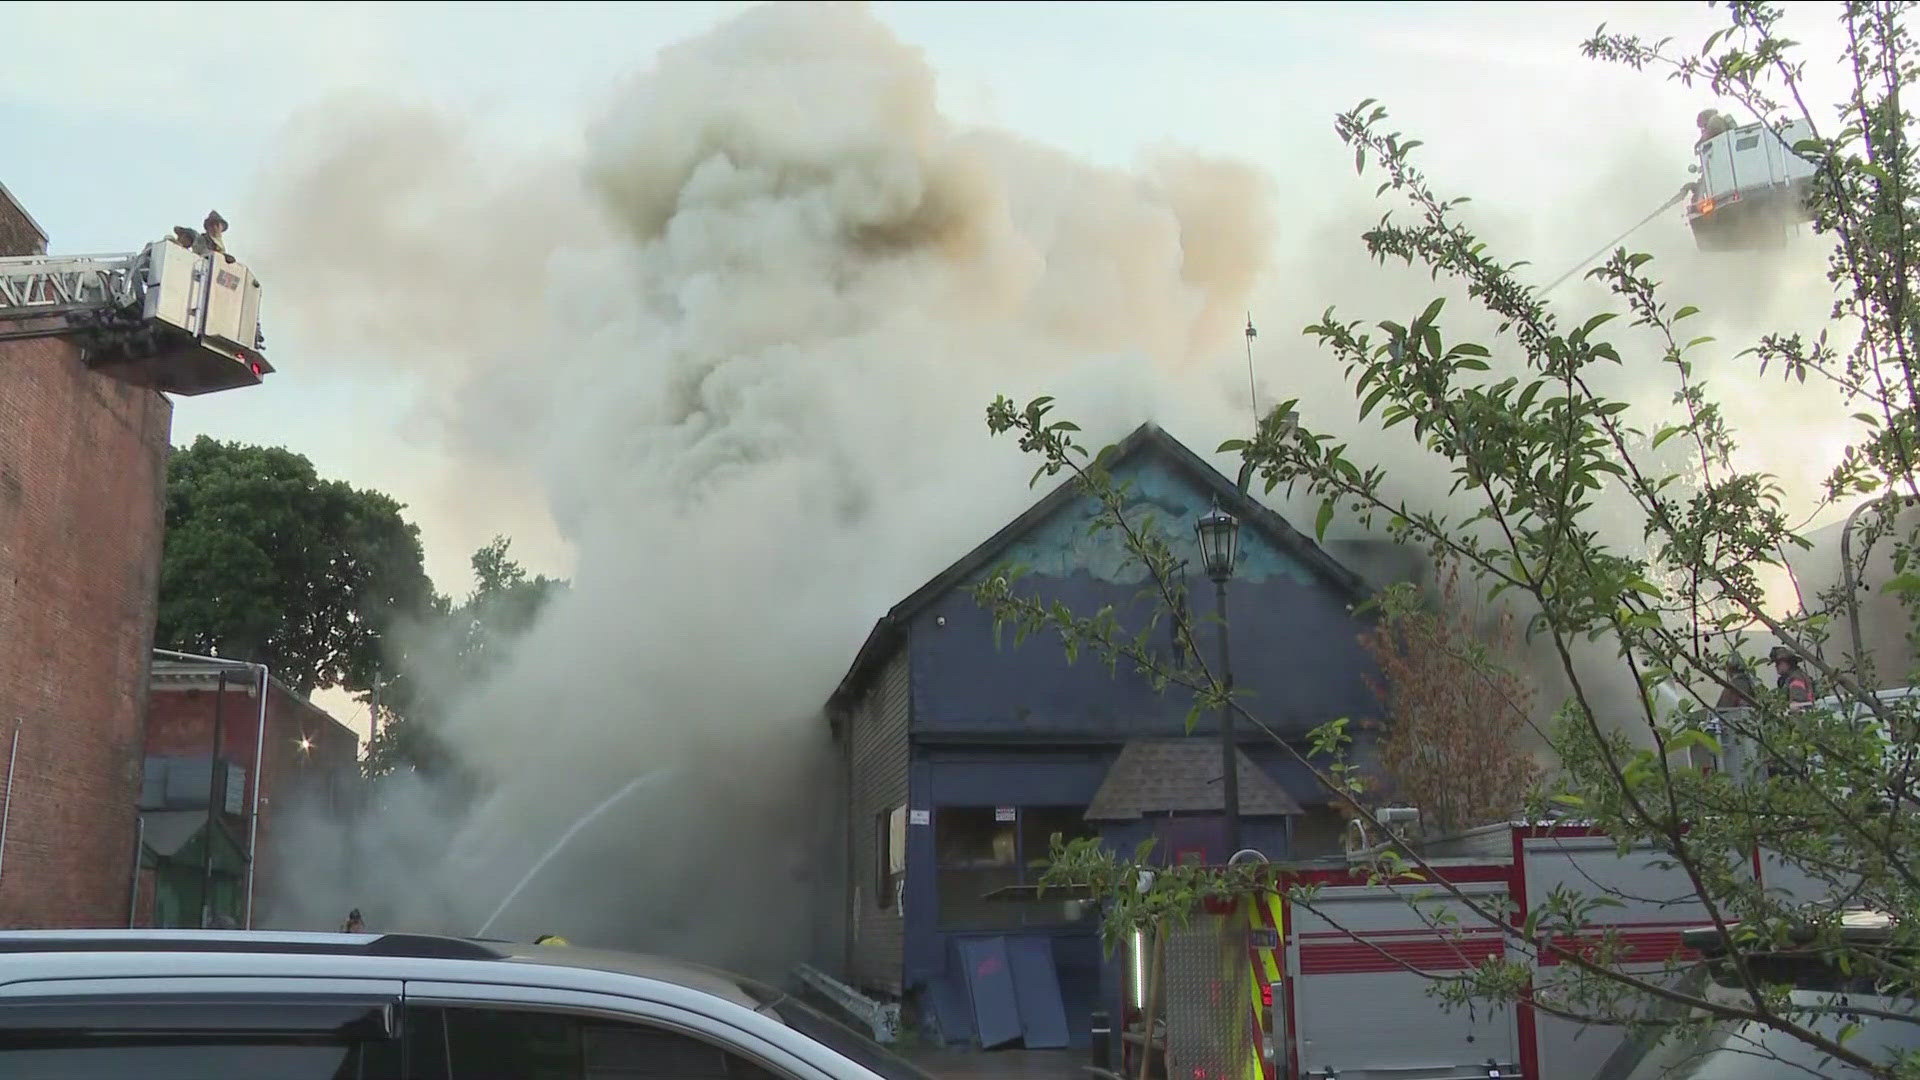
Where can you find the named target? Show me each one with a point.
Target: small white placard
(1003, 813)
(919, 817)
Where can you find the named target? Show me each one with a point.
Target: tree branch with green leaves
(1559, 506)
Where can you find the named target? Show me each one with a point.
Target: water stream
(630, 787)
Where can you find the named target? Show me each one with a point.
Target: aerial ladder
(179, 316)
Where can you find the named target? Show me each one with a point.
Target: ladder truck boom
(170, 317)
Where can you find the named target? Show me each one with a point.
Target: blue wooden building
(963, 755)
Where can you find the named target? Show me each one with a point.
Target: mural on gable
(1295, 639)
(1067, 543)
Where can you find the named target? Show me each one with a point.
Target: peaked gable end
(1169, 485)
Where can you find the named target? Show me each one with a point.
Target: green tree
(265, 561)
(453, 648)
(1546, 466)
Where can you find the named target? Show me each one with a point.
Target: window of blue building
(979, 849)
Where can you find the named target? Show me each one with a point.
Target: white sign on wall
(236, 785)
(1003, 813)
(919, 817)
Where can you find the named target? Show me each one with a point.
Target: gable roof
(170, 674)
(1157, 776)
(1147, 438)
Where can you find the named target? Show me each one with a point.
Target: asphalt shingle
(1157, 776)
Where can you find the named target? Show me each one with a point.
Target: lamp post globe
(1218, 533)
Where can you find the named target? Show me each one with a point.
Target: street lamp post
(1219, 535)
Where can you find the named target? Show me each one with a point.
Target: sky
(121, 120)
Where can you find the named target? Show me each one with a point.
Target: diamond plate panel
(1209, 1003)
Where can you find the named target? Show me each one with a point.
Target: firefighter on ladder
(1712, 123)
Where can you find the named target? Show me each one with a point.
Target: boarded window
(889, 855)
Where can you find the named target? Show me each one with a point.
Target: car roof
(388, 946)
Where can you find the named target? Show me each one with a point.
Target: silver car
(212, 1005)
(1846, 1004)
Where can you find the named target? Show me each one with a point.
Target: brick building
(82, 479)
(310, 760)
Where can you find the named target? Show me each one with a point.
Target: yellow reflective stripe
(1270, 958)
(1256, 1070)
(1256, 1067)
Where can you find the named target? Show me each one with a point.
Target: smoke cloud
(739, 331)
(743, 343)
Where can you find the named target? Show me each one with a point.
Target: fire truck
(1266, 989)
(178, 316)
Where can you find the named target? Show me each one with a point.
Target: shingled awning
(1160, 776)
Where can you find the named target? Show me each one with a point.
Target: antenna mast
(1253, 396)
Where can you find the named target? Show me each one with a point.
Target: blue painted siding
(1018, 777)
(999, 725)
(1295, 644)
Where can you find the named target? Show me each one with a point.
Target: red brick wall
(18, 235)
(180, 722)
(82, 477)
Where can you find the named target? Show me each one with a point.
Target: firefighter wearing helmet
(1794, 682)
(1711, 123)
(1737, 690)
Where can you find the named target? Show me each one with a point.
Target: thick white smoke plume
(741, 339)
(744, 344)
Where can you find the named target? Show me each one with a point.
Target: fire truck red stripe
(1375, 955)
(1645, 946)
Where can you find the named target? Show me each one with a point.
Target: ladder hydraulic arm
(173, 318)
